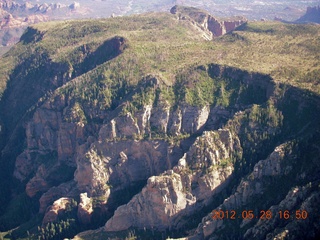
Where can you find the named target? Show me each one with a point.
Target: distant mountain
(312, 15)
(15, 17)
(27, 12)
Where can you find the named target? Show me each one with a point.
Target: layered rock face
(209, 25)
(249, 187)
(258, 185)
(112, 157)
(59, 141)
(85, 209)
(183, 190)
(298, 201)
(221, 27)
(182, 152)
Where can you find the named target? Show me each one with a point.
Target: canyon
(144, 126)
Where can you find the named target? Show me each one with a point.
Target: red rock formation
(58, 207)
(85, 209)
(167, 198)
(211, 26)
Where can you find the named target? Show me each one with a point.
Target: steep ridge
(118, 136)
(61, 126)
(55, 74)
(259, 185)
(36, 66)
(179, 192)
(210, 26)
(170, 200)
(34, 78)
(292, 161)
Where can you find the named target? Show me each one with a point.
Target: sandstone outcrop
(248, 188)
(57, 209)
(124, 151)
(67, 189)
(204, 22)
(120, 160)
(85, 209)
(54, 144)
(299, 203)
(254, 187)
(178, 192)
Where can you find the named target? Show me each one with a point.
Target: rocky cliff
(107, 132)
(210, 26)
(180, 192)
(269, 222)
(118, 156)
